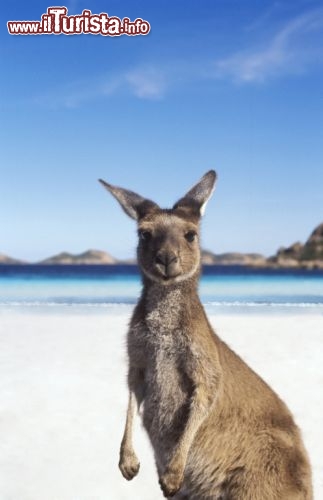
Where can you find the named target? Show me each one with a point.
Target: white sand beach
(63, 397)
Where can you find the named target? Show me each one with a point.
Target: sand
(63, 397)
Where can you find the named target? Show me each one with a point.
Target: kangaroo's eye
(145, 235)
(190, 236)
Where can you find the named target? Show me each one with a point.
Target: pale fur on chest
(163, 311)
(162, 327)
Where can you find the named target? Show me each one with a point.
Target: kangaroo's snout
(167, 262)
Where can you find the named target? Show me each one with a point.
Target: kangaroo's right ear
(197, 197)
(134, 205)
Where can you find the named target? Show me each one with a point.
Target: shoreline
(120, 308)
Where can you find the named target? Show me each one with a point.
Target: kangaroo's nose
(165, 258)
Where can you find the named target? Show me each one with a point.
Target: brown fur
(218, 431)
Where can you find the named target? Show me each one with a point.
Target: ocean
(226, 289)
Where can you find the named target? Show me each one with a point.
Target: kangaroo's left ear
(197, 197)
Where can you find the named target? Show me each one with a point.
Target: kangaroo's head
(168, 249)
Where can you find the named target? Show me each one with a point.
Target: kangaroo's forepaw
(171, 482)
(129, 465)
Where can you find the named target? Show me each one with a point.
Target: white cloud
(290, 50)
(142, 82)
(146, 84)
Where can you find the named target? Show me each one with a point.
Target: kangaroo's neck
(168, 306)
(186, 289)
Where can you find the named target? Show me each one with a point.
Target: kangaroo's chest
(161, 340)
(162, 354)
(160, 337)
(167, 387)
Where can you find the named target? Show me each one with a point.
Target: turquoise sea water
(230, 288)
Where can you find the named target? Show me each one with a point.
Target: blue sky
(232, 85)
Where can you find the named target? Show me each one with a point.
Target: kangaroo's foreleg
(129, 463)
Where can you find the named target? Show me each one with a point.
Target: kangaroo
(218, 431)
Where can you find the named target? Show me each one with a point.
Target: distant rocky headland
(4, 259)
(308, 255)
(89, 257)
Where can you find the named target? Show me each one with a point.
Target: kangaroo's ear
(196, 199)
(134, 205)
